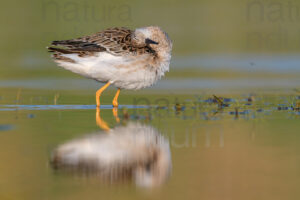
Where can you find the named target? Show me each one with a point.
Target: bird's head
(153, 37)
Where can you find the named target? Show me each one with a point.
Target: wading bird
(127, 59)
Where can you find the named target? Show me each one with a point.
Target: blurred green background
(197, 28)
(249, 149)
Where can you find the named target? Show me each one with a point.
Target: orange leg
(115, 101)
(101, 123)
(99, 92)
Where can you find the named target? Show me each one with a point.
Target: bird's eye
(149, 41)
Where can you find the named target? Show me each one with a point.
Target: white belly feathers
(122, 72)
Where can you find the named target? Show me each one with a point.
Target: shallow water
(64, 107)
(236, 147)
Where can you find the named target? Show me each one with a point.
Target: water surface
(244, 147)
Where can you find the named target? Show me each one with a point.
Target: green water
(247, 148)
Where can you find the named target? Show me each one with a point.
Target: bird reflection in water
(134, 152)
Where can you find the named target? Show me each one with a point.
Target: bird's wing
(114, 40)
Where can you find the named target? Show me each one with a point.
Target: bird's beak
(148, 41)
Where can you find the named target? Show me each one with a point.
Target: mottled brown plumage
(116, 41)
